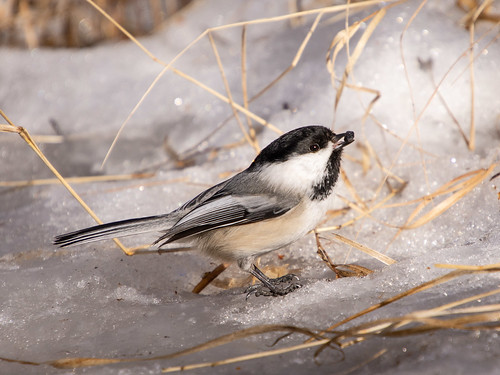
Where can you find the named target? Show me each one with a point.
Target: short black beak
(342, 140)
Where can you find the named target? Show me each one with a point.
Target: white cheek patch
(300, 173)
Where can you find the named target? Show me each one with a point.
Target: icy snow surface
(93, 301)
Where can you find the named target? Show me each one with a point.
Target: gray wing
(227, 210)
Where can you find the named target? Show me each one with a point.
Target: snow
(94, 301)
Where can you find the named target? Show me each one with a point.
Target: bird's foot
(275, 287)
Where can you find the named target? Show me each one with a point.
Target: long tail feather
(116, 229)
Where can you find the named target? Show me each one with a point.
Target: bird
(279, 198)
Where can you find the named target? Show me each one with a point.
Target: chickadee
(279, 198)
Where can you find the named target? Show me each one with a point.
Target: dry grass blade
(244, 81)
(122, 29)
(364, 214)
(341, 270)
(365, 249)
(27, 138)
(267, 353)
(463, 301)
(54, 139)
(386, 171)
(403, 59)
(230, 96)
(417, 289)
(477, 10)
(76, 180)
(391, 327)
(466, 186)
(19, 361)
(482, 51)
(376, 96)
(8, 128)
(451, 186)
(353, 58)
(441, 317)
(339, 42)
(458, 187)
(468, 267)
(412, 98)
(136, 107)
(472, 132)
(365, 161)
(427, 65)
(387, 130)
(209, 277)
(323, 254)
(352, 190)
(295, 60)
(225, 99)
(72, 363)
(364, 363)
(325, 10)
(68, 363)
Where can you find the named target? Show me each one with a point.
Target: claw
(277, 287)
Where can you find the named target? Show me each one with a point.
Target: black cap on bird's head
(308, 139)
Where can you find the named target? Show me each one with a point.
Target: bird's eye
(314, 147)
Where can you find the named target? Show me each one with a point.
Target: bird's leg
(272, 287)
